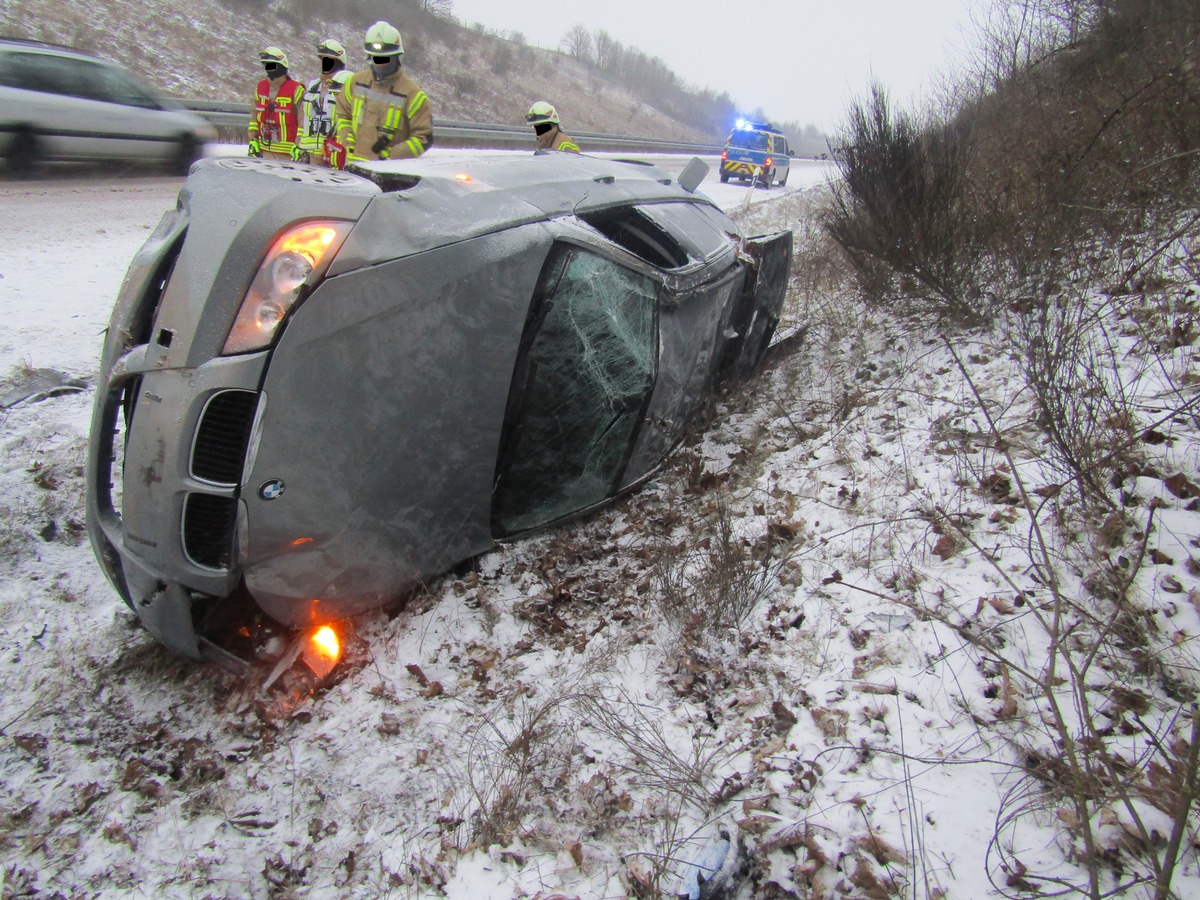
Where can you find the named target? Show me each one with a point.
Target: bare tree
(438, 7)
(608, 51)
(577, 42)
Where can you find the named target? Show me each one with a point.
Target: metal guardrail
(231, 120)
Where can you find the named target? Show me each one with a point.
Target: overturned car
(319, 388)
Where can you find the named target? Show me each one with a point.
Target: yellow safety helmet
(332, 49)
(542, 112)
(383, 40)
(273, 55)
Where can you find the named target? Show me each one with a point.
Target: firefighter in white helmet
(319, 99)
(382, 113)
(275, 122)
(544, 119)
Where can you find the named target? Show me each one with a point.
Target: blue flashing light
(741, 124)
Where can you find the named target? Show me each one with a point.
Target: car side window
(53, 74)
(41, 72)
(115, 86)
(581, 384)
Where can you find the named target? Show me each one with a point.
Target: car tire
(187, 151)
(22, 156)
(765, 182)
(724, 178)
(783, 180)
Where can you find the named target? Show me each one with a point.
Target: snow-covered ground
(561, 722)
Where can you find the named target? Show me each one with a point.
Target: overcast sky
(799, 60)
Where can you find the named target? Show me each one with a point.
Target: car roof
(765, 127)
(29, 44)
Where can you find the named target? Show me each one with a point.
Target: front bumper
(142, 471)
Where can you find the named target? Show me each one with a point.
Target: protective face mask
(383, 66)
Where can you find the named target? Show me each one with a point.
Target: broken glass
(579, 390)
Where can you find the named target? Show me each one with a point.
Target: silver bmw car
(319, 388)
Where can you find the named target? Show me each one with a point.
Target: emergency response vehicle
(756, 152)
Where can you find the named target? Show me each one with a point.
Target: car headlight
(294, 265)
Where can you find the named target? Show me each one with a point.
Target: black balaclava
(383, 66)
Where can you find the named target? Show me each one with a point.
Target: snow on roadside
(558, 719)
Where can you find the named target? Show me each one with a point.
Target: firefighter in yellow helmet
(381, 113)
(275, 123)
(319, 99)
(544, 119)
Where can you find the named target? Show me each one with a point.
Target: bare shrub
(1086, 117)
(653, 758)
(709, 586)
(1070, 364)
(511, 761)
(898, 211)
(1113, 751)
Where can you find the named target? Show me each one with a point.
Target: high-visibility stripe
(416, 103)
(361, 90)
(415, 145)
(569, 146)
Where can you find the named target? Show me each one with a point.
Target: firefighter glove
(335, 154)
(381, 143)
(297, 154)
(254, 148)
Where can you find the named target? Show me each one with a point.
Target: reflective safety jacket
(319, 100)
(275, 122)
(387, 119)
(557, 139)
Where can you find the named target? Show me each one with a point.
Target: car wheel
(765, 182)
(186, 152)
(783, 180)
(724, 178)
(22, 156)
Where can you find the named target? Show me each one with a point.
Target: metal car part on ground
(320, 388)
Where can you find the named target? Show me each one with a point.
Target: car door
(782, 158)
(583, 377)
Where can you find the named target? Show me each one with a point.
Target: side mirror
(693, 173)
(791, 153)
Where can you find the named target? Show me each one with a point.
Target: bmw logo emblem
(271, 490)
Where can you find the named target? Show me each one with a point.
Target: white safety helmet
(540, 113)
(273, 55)
(383, 40)
(332, 49)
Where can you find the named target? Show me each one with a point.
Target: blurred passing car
(320, 388)
(60, 104)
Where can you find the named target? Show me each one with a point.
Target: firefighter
(544, 119)
(275, 122)
(319, 99)
(381, 113)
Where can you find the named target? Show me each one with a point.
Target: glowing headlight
(295, 263)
